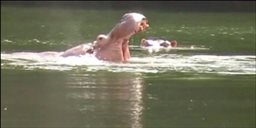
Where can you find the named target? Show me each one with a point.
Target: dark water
(208, 81)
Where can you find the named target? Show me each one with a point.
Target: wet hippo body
(78, 50)
(112, 46)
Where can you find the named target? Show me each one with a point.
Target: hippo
(112, 46)
(85, 48)
(158, 43)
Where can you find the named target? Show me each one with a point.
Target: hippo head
(100, 41)
(129, 24)
(167, 43)
(140, 21)
(114, 46)
(144, 43)
(157, 42)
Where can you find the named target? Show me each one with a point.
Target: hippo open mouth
(114, 47)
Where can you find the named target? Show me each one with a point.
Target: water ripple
(236, 64)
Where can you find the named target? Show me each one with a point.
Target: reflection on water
(104, 97)
(71, 99)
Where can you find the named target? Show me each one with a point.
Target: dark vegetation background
(241, 6)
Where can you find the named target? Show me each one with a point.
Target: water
(207, 81)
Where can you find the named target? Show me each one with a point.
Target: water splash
(236, 64)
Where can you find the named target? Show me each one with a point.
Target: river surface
(207, 81)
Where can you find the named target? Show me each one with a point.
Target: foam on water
(236, 64)
(154, 49)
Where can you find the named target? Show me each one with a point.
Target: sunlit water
(164, 62)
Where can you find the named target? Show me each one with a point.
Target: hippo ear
(142, 40)
(173, 43)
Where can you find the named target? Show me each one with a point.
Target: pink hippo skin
(115, 45)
